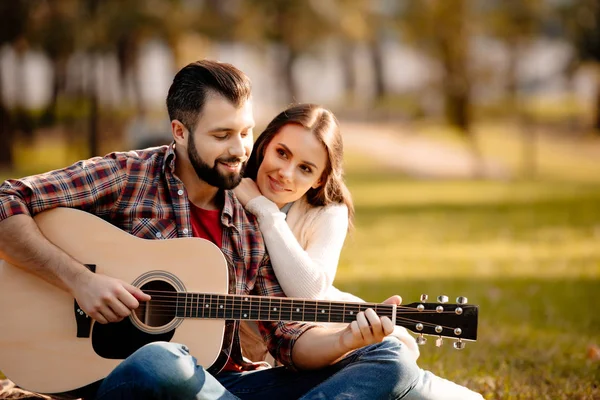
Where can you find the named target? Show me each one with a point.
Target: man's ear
(179, 132)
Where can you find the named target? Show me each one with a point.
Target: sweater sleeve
(306, 273)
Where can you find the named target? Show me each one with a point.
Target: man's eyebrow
(289, 151)
(223, 129)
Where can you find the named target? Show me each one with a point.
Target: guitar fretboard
(257, 308)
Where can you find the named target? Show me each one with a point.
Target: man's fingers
(375, 322)
(119, 309)
(364, 327)
(395, 299)
(96, 316)
(387, 325)
(137, 293)
(109, 315)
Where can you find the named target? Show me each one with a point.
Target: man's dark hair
(196, 81)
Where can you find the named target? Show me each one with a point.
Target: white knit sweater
(305, 249)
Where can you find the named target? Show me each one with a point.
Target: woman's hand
(246, 191)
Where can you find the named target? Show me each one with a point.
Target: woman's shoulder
(302, 209)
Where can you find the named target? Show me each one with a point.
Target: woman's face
(293, 163)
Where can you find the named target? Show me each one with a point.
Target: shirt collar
(231, 209)
(170, 158)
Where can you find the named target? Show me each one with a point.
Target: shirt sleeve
(306, 273)
(280, 337)
(91, 185)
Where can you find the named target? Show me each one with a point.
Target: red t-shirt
(206, 224)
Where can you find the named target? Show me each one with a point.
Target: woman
(294, 186)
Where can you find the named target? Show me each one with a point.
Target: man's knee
(163, 367)
(397, 361)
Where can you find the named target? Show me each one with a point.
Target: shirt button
(180, 192)
(158, 234)
(185, 231)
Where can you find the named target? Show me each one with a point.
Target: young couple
(293, 204)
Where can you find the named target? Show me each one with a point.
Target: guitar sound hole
(160, 310)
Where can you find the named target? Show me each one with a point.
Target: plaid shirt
(138, 192)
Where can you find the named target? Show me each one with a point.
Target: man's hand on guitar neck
(106, 299)
(368, 328)
(320, 347)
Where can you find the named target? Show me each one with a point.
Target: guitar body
(39, 347)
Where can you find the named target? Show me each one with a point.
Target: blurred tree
(361, 22)
(441, 28)
(294, 27)
(14, 16)
(53, 27)
(516, 24)
(581, 20)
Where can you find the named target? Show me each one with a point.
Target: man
(183, 190)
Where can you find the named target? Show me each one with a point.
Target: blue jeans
(380, 371)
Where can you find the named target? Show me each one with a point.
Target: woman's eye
(306, 169)
(221, 137)
(281, 152)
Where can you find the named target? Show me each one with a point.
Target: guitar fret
(297, 309)
(188, 304)
(286, 310)
(275, 309)
(337, 312)
(322, 309)
(350, 312)
(220, 307)
(310, 311)
(245, 307)
(198, 307)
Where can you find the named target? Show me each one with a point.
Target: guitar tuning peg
(461, 300)
(459, 344)
(424, 298)
(439, 341)
(421, 340)
(442, 299)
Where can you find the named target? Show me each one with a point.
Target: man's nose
(237, 148)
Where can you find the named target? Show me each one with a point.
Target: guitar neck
(418, 317)
(261, 308)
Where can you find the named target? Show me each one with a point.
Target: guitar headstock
(441, 319)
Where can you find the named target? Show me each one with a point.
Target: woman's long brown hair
(323, 124)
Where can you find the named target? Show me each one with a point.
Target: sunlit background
(471, 129)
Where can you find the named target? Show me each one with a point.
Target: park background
(471, 129)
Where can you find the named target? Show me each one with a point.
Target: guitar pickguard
(120, 340)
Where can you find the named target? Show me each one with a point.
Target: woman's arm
(309, 272)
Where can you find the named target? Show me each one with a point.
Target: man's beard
(212, 175)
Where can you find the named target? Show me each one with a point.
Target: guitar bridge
(83, 321)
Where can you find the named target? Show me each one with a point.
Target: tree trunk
(6, 139)
(348, 70)
(289, 82)
(597, 116)
(93, 121)
(375, 52)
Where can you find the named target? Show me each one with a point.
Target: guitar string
(166, 310)
(175, 299)
(222, 313)
(167, 305)
(181, 303)
(224, 317)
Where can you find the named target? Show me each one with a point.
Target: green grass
(528, 253)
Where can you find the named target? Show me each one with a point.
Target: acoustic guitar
(49, 345)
